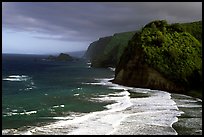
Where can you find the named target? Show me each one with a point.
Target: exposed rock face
(135, 72)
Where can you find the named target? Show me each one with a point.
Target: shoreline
(190, 121)
(131, 117)
(186, 123)
(196, 93)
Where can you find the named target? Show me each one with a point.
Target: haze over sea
(48, 97)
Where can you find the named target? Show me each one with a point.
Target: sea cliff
(161, 56)
(106, 51)
(158, 56)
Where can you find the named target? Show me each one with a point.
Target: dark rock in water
(64, 57)
(61, 57)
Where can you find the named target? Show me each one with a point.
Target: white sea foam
(58, 118)
(101, 82)
(29, 84)
(28, 133)
(85, 123)
(58, 106)
(89, 64)
(111, 68)
(156, 110)
(55, 106)
(103, 79)
(159, 103)
(91, 83)
(76, 94)
(200, 100)
(150, 115)
(16, 78)
(28, 88)
(61, 106)
(61, 118)
(12, 79)
(28, 113)
(190, 106)
(14, 112)
(188, 101)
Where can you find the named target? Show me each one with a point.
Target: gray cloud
(75, 21)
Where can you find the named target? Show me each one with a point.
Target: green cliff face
(107, 51)
(95, 50)
(162, 56)
(194, 28)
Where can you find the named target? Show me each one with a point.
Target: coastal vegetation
(107, 51)
(158, 56)
(168, 56)
(194, 28)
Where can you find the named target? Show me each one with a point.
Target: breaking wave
(153, 114)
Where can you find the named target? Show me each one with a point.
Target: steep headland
(107, 51)
(161, 56)
(158, 56)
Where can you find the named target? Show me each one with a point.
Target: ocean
(48, 97)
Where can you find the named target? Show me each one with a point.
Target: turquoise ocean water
(37, 91)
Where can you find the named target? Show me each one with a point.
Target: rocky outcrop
(136, 73)
(60, 57)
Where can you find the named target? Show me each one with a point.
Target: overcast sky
(53, 27)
